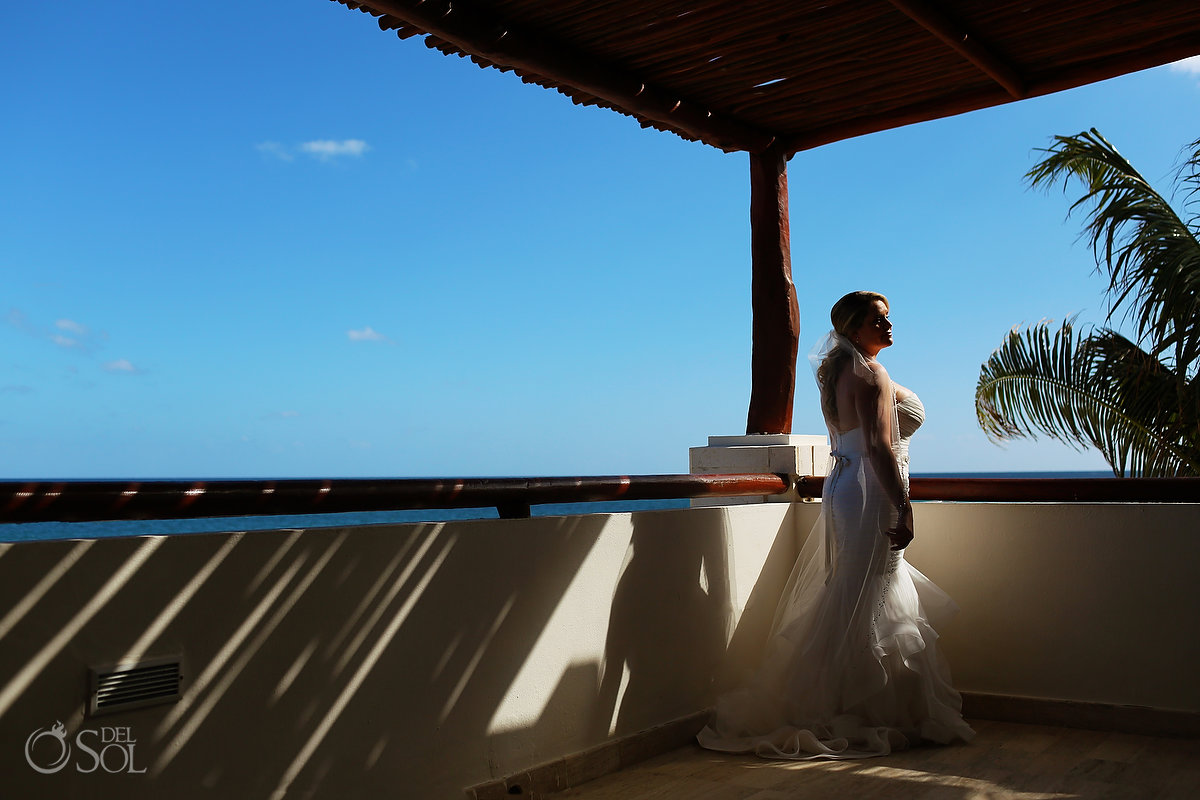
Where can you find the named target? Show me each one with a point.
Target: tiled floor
(1006, 760)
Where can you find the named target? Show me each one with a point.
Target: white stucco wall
(1088, 602)
(415, 660)
(409, 660)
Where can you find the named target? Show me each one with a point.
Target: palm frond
(1054, 383)
(1147, 390)
(1188, 175)
(1151, 256)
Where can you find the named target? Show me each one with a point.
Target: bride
(852, 668)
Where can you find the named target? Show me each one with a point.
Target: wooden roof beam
(1099, 69)
(491, 40)
(930, 17)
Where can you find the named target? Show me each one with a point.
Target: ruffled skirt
(852, 668)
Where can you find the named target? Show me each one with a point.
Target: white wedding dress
(852, 668)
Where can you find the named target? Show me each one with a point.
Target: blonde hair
(847, 315)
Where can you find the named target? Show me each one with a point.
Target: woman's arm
(874, 403)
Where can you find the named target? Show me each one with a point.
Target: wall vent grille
(143, 683)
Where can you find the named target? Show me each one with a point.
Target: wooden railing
(1041, 490)
(76, 501)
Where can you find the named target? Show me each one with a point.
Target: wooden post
(776, 326)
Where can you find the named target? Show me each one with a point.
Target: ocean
(29, 531)
(38, 531)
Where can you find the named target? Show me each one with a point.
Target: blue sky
(241, 243)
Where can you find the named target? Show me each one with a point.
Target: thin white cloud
(16, 317)
(1189, 66)
(320, 149)
(121, 365)
(65, 333)
(71, 326)
(367, 334)
(325, 149)
(275, 150)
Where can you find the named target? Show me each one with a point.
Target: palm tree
(1137, 402)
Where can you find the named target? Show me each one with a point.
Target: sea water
(28, 531)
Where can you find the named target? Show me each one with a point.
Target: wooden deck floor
(1006, 760)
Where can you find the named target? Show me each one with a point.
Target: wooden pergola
(773, 77)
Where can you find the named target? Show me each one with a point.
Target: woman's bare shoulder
(879, 375)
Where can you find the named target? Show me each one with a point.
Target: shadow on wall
(668, 626)
(363, 662)
(748, 642)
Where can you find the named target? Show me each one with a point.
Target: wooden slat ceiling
(793, 74)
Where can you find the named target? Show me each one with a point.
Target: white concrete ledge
(782, 453)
